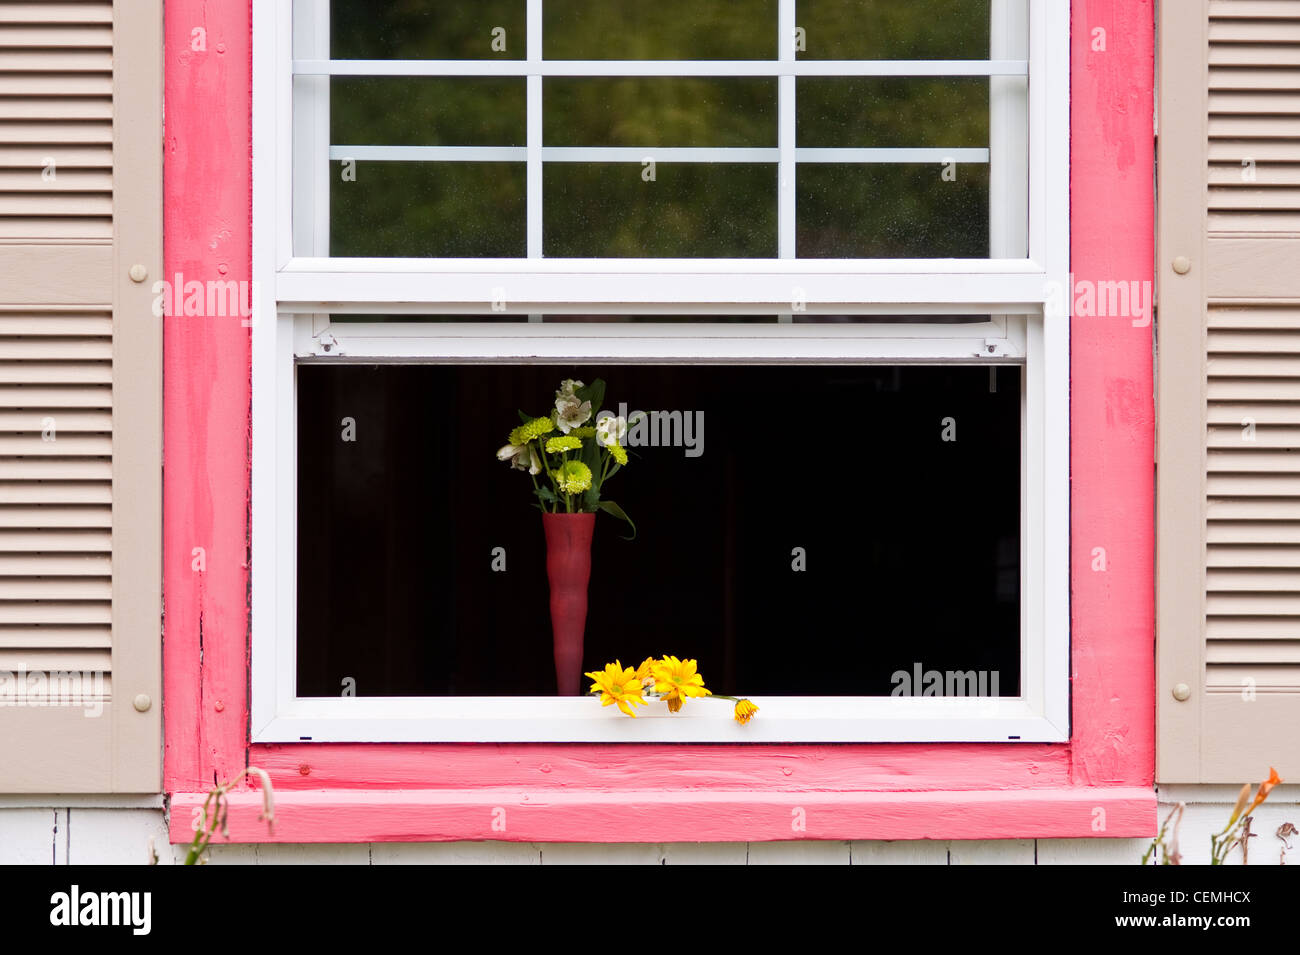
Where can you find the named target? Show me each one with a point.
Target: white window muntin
(296, 295)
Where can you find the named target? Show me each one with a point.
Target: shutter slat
(62, 372)
(1252, 532)
(55, 36)
(65, 659)
(1253, 10)
(33, 612)
(72, 324)
(64, 155)
(56, 469)
(1250, 437)
(56, 11)
(56, 107)
(77, 516)
(54, 540)
(72, 637)
(49, 565)
(57, 61)
(1276, 580)
(18, 131)
(1231, 555)
(1272, 198)
(62, 419)
(47, 396)
(37, 348)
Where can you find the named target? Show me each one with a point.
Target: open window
(831, 237)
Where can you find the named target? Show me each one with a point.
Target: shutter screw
(1182, 692)
(219, 706)
(138, 273)
(1182, 265)
(304, 770)
(142, 702)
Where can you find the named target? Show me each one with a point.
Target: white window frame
(294, 295)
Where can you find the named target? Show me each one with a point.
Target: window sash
(306, 146)
(293, 296)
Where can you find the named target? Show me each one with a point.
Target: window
(705, 203)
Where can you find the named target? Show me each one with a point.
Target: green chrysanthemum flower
(618, 452)
(584, 432)
(563, 443)
(573, 477)
(533, 429)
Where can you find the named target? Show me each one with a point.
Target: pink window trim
(1098, 784)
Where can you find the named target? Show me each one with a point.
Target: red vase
(568, 567)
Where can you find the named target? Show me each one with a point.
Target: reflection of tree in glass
(418, 209)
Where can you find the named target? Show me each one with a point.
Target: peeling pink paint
(354, 792)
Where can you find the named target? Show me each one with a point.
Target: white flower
(522, 457)
(610, 429)
(567, 387)
(571, 413)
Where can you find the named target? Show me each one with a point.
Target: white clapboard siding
(1228, 470)
(79, 496)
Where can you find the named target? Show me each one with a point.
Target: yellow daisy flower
(745, 711)
(645, 672)
(618, 685)
(677, 679)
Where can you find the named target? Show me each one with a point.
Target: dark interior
(910, 541)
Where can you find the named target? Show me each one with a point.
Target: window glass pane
(428, 111)
(893, 30)
(659, 30)
(423, 30)
(894, 112)
(467, 193)
(893, 210)
(421, 209)
(659, 111)
(910, 559)
(714, 210)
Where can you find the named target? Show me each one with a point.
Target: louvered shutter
(80, 396)
(1228, 462)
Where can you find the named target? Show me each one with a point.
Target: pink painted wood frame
(1098, 784)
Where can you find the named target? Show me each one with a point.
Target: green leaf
(595, 393)
(524, 418)
(546, 494)
(610, 507)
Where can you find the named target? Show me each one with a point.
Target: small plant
(215, 811)
(1235, 833)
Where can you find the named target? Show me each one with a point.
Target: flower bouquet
(575, 459)
(666, 679)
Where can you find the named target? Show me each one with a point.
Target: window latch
(996, 348)
(327, 344)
